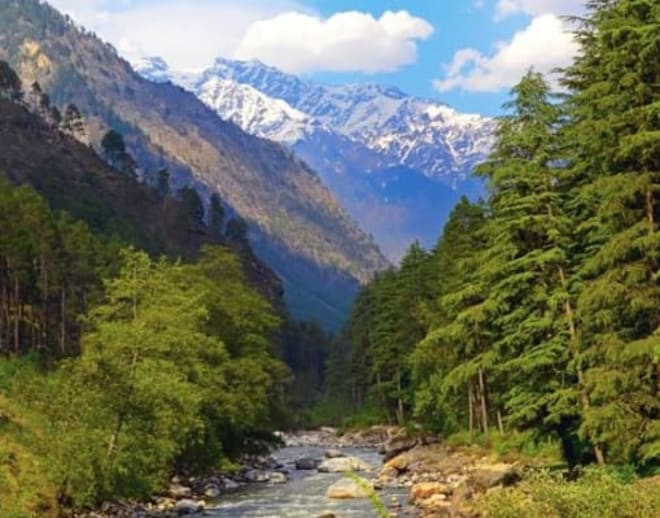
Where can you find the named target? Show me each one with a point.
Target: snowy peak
(153, 68)
(421, 134)
(255, 112)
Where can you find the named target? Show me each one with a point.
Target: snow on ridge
(422, 134)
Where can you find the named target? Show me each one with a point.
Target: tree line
(119, 367)
(539, 308)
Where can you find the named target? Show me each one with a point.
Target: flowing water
(303, 496)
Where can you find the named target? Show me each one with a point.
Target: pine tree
(529, 263)
(615, 133)
(216, 216)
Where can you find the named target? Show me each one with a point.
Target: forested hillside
(295, 225)
(137, 334)
(538, 312)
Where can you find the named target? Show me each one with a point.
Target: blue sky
(467, 53)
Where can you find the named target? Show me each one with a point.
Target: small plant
(376, 501)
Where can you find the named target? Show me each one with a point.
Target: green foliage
(538, 314)
(596, 494)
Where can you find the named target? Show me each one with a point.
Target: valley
(270, 285)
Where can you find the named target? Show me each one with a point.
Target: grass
(513, 446)
(598, 493)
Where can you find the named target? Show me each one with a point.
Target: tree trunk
(470, 408)
(63, 321)
(17, 317)
(500, 422)
(484, 404)
(574, 339)
(401, 416)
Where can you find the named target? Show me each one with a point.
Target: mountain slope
(72, 177)
(354, 136)
(297, 226)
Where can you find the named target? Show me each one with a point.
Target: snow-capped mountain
(369, 143)
(422, 134)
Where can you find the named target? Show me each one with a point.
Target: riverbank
(321, 473)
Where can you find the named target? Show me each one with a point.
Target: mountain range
(296, 225)
(397, 163)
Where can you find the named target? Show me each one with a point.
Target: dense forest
(139, 334)
(141, 337)
(538, 311)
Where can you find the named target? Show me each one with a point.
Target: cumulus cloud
(187, 34)
(506, 8)
(346, 41)
(546, 43)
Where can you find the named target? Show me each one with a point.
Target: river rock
(179, 491)
(334, 454)
(212, 491)
(307, 463)
(397, 444)
(228, 483)
(484, 477)
(258, 476)
(277, 478)
(347, 489)
(188, 506)
(425, 490)
(343, 464)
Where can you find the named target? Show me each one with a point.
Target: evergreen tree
(615, 162)
(194, 205)
(10, 84)
(216, 215)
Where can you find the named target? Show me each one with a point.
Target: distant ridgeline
(138, 333)
(294, 223)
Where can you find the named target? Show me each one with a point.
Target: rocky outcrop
(444, 481)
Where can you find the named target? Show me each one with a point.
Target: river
(304, 495)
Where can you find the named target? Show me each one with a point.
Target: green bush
(598, 493)
(523, 444)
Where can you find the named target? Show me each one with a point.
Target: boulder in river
(212, 491)
(256, 475)
(188, 506)
(347, 489)
(277, 477)
(307, 463)
(343, 464)
(334, 454)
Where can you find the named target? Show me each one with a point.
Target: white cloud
(506, 8)
(187, 34)
(346, 41)
(546, 43)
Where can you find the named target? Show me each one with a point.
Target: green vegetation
(596, 494)
(118, 366)
(128, 374)
(536, 318)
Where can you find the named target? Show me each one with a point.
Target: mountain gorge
(373, 146)
(296, 225)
